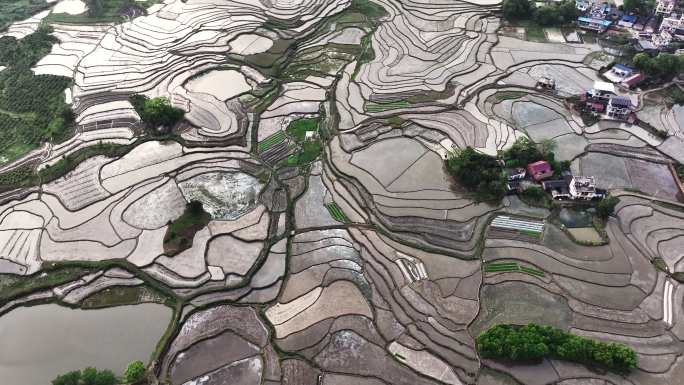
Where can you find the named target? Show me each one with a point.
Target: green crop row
(511, 266)
(380, 107)
(336, 212)
(271, 141)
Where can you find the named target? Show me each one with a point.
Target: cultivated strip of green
(336, 212)
(503, 267)
(380, 107)
(271, 141)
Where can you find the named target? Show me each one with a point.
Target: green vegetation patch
(678, 276)
(122, 296)
(22, 176)
(157, 113)
(535, 196)
(663, 66)
(677, 96)
(298, 128)
(14, 286)
(385, 106)
(105, 11)
(554, 14)
(271, 141)
(69, 162)
(660, 264)
(180, 233)
(135, 372)
(502, 267)
(26, 176)
(606, 207)
(533, 31)
(336, 212)
(531, 233)
(524, 151)
(32, 107)
(532, 343)
(17, 10)
(508, 95)
(309, 152)
(478, 173)
(87, 376)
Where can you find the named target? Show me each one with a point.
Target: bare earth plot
(345, 254)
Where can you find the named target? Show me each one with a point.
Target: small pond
(41, 342)
(225, 195)
(572, 218)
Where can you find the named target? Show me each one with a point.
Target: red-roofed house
(539, 170)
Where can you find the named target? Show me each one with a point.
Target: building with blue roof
(627, 21)
(593, 24)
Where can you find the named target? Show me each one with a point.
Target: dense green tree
(135, 372)
(71, 378)
(642, 61)
(95, 8)
(665, 65)
(534, 194)
(195, 207)
(522, 152)
(606, 207)
(87, 376)
(548, 15)
(631, 5)
(531, 343)
(156, 112)
(479, 173)
(517, 9)
(556, 14)
(640, 7)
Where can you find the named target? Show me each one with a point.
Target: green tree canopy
(156, 112)
(478, 173)
(70, 378)
(606, 207)
(532, 343)
(522, 152)
(87, 376)
(135, 372)
(665, 65)
(92, 376)
(517, 9)
(641, 7)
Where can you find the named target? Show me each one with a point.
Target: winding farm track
(366, 264)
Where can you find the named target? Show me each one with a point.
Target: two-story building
(672, 22)
(601, 92)
(619, 72)
(619, 107)
(664, 6)
(539, 170)
(593, 23)
(584, 187)
(573, 187)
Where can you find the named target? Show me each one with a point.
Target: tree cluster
(135, 372)
(606, 207)
(34, 109)
(156, 113)
(640, 7)
(87, 376)
(532, 343)
(478, 173)
(524, 151)
(555, 14)
(665, 65)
